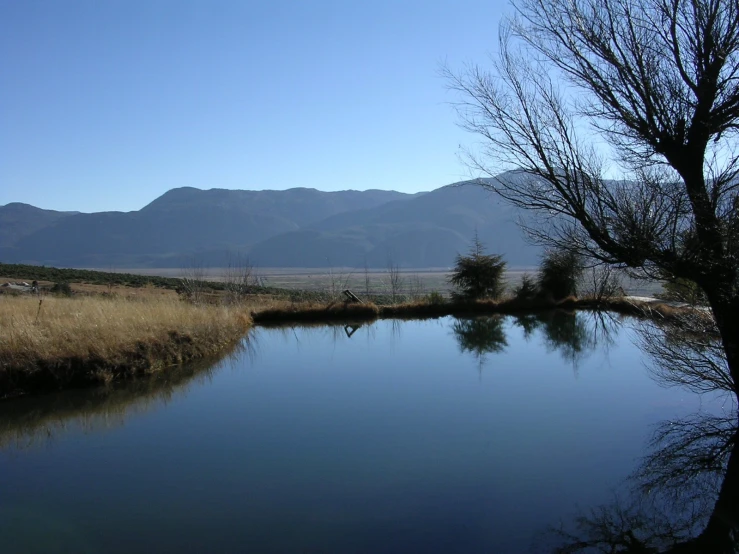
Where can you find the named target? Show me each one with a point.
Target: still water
(426, 436)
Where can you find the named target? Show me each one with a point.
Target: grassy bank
(61, 342)
(65, 342)
(305, 313)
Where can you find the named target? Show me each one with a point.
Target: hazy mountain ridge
(18, 220)
(291, 228)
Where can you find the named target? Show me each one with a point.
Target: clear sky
(105, 105)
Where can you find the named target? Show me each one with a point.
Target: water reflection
(350, 329)
(374, 440)
(572, 334)
(480, 336)
(24, 422)
(684, 496)
(687, 352)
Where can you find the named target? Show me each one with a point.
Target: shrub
(478, 275)
(435, 297)
(527, 290)
(62, 289)
(683, 290)
(559, 273)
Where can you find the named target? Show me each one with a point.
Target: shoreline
(340, 312)
(182, 341)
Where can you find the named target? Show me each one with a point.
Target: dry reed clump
(300, 312)
(68, 341)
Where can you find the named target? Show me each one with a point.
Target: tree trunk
(726, 313)
(720, 533)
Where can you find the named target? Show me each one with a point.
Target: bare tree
(366, 279)
(338, 281)
(395, 280)
(194, 281)
(416, 288)
(601, 282)
(643, 90)
(241, 278)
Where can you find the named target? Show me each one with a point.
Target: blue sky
(105, 105)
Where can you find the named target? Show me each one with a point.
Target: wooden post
(352, 297)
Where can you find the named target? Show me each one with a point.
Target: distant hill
(426, 231)
(291, 228)
(19, 220)
(300, 206)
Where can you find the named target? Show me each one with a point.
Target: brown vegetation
(52, 343)
(307, 312)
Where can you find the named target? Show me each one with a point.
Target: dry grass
(307, 312)
(68, 341)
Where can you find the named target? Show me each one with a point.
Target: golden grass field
(53, 327)
(89, 338)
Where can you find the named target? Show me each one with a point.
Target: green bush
(62, 289)
(683, 290)
(527, 290)
(478, 275)
(559, 273)
(435, 297)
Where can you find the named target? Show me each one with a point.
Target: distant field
(416, 281)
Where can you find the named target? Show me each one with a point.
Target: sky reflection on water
(444, 435)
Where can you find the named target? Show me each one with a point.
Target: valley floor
(370, 282)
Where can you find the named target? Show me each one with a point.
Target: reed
(51, 342)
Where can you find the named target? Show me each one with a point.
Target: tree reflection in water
(572, 334)
(687, 352)
(684, 497)
(482, 335)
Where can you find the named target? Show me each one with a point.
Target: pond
(448, 435)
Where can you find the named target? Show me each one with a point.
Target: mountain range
(297, 227)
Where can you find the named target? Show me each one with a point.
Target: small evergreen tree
(559, 273)
(527, 290)
(478, 275)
